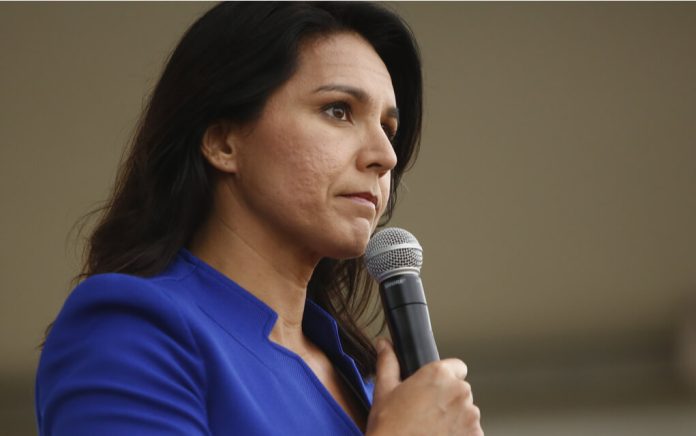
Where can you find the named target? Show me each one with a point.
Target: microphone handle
(406, 313)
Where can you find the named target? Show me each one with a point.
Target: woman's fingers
(436, 399)
(388, 372)
(455, 367)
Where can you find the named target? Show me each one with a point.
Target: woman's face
(314, 170)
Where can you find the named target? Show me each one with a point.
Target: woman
(222, 288)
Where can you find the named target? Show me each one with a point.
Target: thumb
(388, 376)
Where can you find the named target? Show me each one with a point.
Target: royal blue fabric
(183, 353)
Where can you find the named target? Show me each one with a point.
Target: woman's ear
(219, 148)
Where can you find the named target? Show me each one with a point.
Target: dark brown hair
(225, 68)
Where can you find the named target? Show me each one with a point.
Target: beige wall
(554, 195)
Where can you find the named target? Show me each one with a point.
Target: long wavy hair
(225, 67)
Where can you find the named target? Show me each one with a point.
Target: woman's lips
(363, 197)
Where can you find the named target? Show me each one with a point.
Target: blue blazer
(184, 353)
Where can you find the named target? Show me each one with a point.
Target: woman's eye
(339, 111)
(389, 131)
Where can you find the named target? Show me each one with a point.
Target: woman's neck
(254, 260)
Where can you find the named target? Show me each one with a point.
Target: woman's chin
(347, 250)
(349, 247)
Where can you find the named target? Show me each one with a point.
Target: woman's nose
(378, 152)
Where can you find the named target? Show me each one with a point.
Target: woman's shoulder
(119, 337)
(122, 302)
(121, 310)
(102, 285)
(116, 286)
(125, 290)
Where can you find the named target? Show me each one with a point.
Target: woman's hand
(435, 400)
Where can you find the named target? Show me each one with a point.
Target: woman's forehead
(345, 59)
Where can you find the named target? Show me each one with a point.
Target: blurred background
(555, 195)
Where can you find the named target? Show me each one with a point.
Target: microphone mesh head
(393, 250)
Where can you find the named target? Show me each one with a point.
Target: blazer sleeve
(120, 360)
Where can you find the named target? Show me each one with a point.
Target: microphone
(394, 257)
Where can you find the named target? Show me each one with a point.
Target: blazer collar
(250, 321)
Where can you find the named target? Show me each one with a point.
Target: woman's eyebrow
(358, 94)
